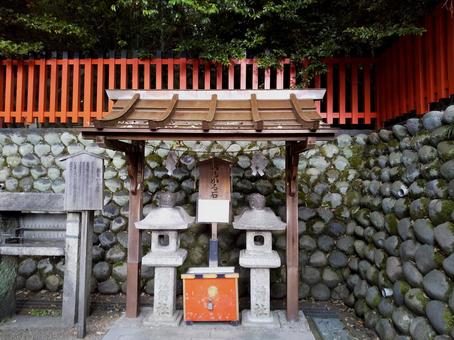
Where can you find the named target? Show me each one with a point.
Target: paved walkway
(133, 329)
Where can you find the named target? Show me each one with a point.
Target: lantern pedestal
(165, 255)
(259, 256)
(260, 263)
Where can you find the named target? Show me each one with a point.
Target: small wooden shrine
(210, 115)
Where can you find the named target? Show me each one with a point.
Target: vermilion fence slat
(419, 63)
(450, 48)
(395, 84)
(8, 91)
(99, 89)
(111, 63)
(243, 75)
(183, 63)
(401, 80)
(30, 91)
(123, 74)
(255, 76)
(409, 61)
(135, 73)
(195, 74)
(267, 78)
(87, 92)
(430, 60)
(19, 91)
(379, 105)
(76, 91)
(170, 73)
(158, 74)
(231, 75)
(441, 53)
(41, 90)
(318, 83)
(207, 76)
(2, 87)
(367, 95)
(389, 88)
(342, 93)
(53, 91)
(354, 94)
(329, 94)
(64, 90)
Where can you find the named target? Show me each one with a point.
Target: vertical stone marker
(258, 222)
(84, 190)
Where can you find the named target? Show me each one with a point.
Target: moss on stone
(447, 207)
(438, 258)
(421, 298)
(376, 301)
(154, 157)
(394, 143)
(404, 287)
(391, 222)
(449, 319)
(356, 162)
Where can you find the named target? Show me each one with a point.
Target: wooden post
(86, 242)
(291, 178)
(213, 258)
(136, 158)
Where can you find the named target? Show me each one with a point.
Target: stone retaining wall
(375, 212)
(404, 231)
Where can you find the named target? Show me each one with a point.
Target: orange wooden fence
(72, 90)
(417, 70)
(406, 78)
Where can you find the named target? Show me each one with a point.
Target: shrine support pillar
(291, 185)
(136, 158)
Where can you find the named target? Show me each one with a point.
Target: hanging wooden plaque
(213, 205)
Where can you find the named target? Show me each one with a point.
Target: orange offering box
(210, 294)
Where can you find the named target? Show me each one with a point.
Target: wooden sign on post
(213, 205)
(84, 193)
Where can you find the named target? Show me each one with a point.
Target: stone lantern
(164, 222)
(259, 221)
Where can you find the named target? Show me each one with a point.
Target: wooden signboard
(84, 185)
(213, 205)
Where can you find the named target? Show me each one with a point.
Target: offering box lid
(211, 270)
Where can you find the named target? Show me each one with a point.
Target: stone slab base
(150, 319)
(247, 320)
(127, 329)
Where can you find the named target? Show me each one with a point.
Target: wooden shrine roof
(211, 114)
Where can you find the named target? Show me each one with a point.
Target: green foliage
(213, 29)
(44, 312)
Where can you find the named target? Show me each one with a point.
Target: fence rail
(73, 90)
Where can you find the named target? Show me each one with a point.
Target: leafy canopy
(212, 29)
